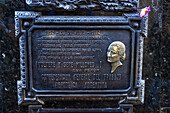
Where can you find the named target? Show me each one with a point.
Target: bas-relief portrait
(116, 54)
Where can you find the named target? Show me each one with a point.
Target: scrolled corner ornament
(116, 54)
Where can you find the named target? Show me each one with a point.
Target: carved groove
(62, 19)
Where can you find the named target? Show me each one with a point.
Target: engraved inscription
(77, 59)
(55, 78)
(95, 85)
(66, 84)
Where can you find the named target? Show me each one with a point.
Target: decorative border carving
(26, 14)
(82, 19)
(69, 5)
(132, 20)
(19, 91)
(139, 62)
(22, 84)
(17, 27)
(141, 91)
(145, 26)
(23, 63)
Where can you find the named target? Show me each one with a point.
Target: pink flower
(144, 11)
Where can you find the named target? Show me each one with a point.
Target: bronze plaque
(64, 56)
(75, 58)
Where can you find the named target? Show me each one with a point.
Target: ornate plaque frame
(26, 21)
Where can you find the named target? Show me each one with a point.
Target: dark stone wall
(155, 66)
